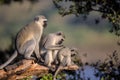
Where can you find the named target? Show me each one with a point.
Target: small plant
(28, 78)
(110, 67)
(47, 77)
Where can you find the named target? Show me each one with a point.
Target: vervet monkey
(52, 44)
(64, 58)
(27, 40)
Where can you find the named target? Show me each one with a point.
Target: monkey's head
(74, 51)
(60, 37)
(41, 20)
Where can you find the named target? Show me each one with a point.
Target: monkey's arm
(38, 53)
(54, 47)
(43, 40)
(50, 43)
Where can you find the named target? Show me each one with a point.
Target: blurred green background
(92, 39)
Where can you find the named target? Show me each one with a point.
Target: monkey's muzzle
(45, 24)
(61, 41)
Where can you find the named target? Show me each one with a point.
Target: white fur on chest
(41, 30)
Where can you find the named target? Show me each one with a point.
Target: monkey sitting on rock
(27, 40)
(64, 58)
(56, 52)
(51, 44)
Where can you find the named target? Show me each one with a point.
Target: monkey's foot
(41, 60)
(71, 67)
(30, 58)
(52, 68)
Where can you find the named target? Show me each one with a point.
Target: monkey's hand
(62, 46)
(41, 60)
(52, 68)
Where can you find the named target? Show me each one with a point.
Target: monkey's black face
(44, 24)
(61, 41)
(73, 52)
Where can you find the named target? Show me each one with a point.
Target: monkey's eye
(59, 33)
(72, 50)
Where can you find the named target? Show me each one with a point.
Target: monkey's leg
(60, 57)
(55, 56)
(29, 48)
(68, 61)
(48, 58)
(55, 47)
(37, 52)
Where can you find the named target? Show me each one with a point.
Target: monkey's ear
(36, 18)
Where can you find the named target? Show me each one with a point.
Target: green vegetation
(49, 76)
(109, 69)
(28, 78)
(80, 31)
(110, 10)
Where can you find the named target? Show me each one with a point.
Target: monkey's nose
(45, 24)
(62, 39)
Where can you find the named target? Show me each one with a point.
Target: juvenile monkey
(52, 43)
(64, 58)
(27, 40)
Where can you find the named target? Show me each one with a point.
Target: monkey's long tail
(56, 72)
(9, 60)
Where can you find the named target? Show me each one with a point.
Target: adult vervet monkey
(64, 58)
(27, 40)
(52, 43)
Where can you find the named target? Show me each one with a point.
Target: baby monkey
(64, 58)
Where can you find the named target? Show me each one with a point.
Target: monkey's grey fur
(27, 40)
(64, 58)
(52, 43)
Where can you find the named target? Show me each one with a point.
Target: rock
(27, 68)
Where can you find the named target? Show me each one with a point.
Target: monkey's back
(64, 51)
(64, 56)
(29, 32)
